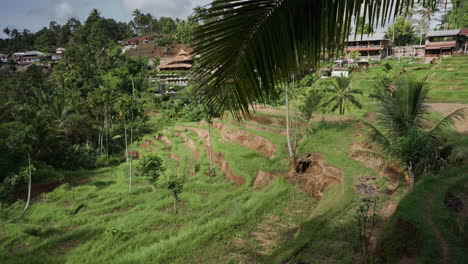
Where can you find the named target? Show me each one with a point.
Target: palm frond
(458, 114)
(375, 135)
(250, 42)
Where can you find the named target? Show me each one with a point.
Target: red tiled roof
(464, 31)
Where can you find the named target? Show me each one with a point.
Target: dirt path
(444, 245)
(447, 108)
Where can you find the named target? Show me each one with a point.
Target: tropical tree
(208, 115)
(363, 28)
(382, 87)
(401, 32)
(402, 132)
(151, 167)
(175, 186)
(248, 47)
(310, 105)
(342, 95)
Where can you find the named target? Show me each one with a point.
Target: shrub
(150, 167)
(79, 157)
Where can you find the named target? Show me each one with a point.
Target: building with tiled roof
(446, 42)
(371, 46)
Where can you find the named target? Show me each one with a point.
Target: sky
(36, 14)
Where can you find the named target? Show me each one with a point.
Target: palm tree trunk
(126, 142)
(288, 132)
(131, 157)
(211, 148)
(29, 186)
(131, 140)
(175, 206)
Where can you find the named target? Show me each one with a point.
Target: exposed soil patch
(218, 158)
(275, 130)
(190, 144)
(36, 190)
(313, 177)
(247, 139)
(268, 109)
(264, 178)
(359, 152)
(165, 140)
(447, 108)
(365, 186)
(148, 145)
(223, 165)
(268, 120)
(174, 157)
(134, 154)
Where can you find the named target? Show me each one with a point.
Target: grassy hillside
(253, 210)
(447, 80)
(429, 225)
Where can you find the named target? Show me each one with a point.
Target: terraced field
(255, 209)
(447, 80)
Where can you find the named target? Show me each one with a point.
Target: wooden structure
(446, 42)
(371, 46)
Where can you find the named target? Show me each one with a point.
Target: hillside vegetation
(253, 209)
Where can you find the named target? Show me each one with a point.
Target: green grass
(323, 240)
(408, 232)
(447, 81)
(100, 221)
(95, 219)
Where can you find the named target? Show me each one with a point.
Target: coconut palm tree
(343, 95)
(402, 132)
(245, 43)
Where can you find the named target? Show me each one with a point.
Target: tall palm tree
(245, 43)
(402, 131)
(343, 95)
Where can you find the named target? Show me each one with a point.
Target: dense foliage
(74, 115)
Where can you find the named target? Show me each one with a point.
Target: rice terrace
(227, 131)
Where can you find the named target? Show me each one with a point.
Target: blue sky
(35, 14)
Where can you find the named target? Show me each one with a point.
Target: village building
(3, 58)
(58, 55)
(173, 72)
(132, 41)
(182, 62)
(28, 57)
(371, 46)
(446, 42)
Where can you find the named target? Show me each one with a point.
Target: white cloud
(57, 10)
(158, 8)
(63, 10)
